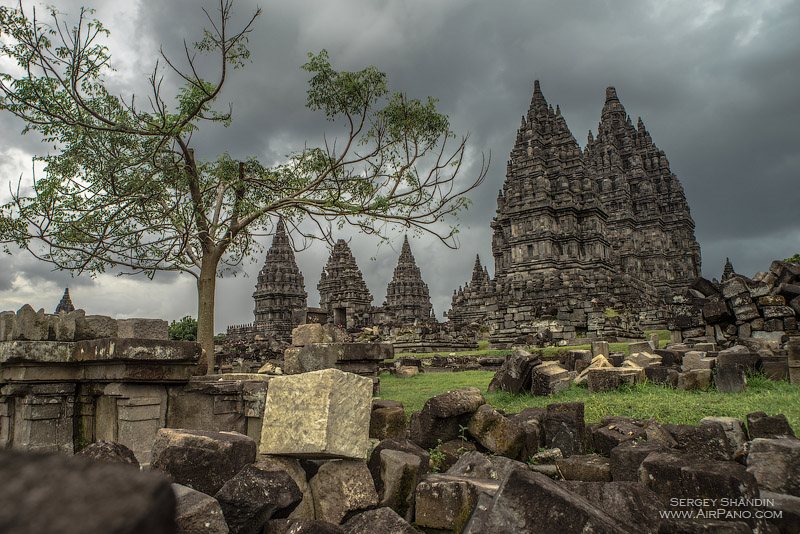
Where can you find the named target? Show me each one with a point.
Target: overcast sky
(716, 83)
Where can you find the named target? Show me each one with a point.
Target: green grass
(643, 401)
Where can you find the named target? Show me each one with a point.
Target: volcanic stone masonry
(343, 294)
(407, 297)
(580, 232)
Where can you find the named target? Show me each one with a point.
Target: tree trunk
(206, 292)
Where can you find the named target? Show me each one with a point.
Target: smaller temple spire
(727, 271)
(65, 305)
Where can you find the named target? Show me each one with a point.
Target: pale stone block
(322, 414)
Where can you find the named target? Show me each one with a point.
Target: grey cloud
(715, 84)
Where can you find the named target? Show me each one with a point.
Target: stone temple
(343, 294)
(408, 300)
(585, 242)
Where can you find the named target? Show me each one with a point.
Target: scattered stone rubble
(760, 312)
(460, 466)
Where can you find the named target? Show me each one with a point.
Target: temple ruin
(585, 242)
(343, 294)
(407, 297)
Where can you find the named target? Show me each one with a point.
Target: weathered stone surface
(387, 422)
(656, 433)
(546, 456)
(531, 502)
(610, 378)
(696, 379)
(732, 427)
(202, 460)
(301, 526)
(321, 356)
(8, 322)
(775, 463)
(108, 451)
(445, 501)
(304, 510)
(564, 427)
(143, 329)
(341, 487)
(788, 522)
(514, 375)
(761, 425)
(496, 432)
(529, 420)
(252, 497)
(628, 456)
(644, 359)
(406, 371)
(585, 467)
(56, 493)
(729, 379)
(95, 327)
(306, 334)
(705, 441)
(662, 375)
(477, 521)
(630, 503)
(322, 414)
(31, 325)
(451, 451)
(608, 436)
(475, 464)
(703, 526)
(599, 361)
(400, 473)
(383, 520)
(549, 378)
(197, 513)
(716, 311)
(402, 445)
(442, 416)
(675, 475)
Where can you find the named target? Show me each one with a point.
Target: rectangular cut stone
(323, 414)
(745, 313)
(143, 329)
(732, 287)
(773, 312)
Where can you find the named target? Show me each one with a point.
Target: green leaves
(342, 93)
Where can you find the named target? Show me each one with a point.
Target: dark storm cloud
(715, 83)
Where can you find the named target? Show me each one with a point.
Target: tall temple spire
(280, 294)
(538, 101)
(343, 294)
(407, 296)
(65, 305)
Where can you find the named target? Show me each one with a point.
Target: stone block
(772, 300)
(8, 322)
(733, 429)
(383, 520)
(306, 334)
(402, 445)
(197, 513)
(597, 362)
(201, 460)
(143, 329)
(446, 502)
(729, 379)
(301, 526)
(475, 464)
(662, 375)
(531, 502)
(761, 425)
(588, 468)
(644, 359)
(696, 379)
(641, 346)
(399, 474)
(626, 458)
(564, 427)
(31, 325)
(777, 312)
(514, 375)
(292, 467)
(610, 378)
(496, 432)
(108, 451)
(341, 487)
(252, 497)
(95, 327)
(716, 312)
(608, 436)
(442, 416)
(696, 360)
(704, 441)
(56, 493)
(388, 422)
(673, 475)
(323, 414)
(775, 464)
(746, 312)
(634, 506)
(732, 287)
(600, 348)
(549, 378)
